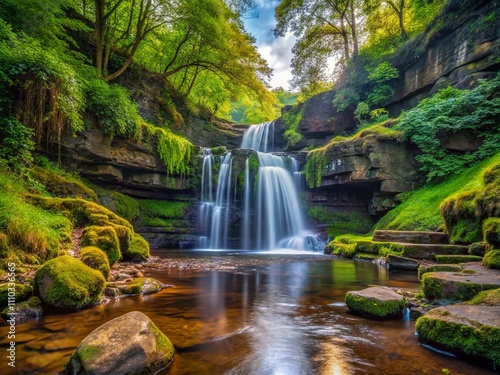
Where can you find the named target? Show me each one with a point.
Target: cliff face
(459, 55)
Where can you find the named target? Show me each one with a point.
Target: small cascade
(259, 137)
(271, 216)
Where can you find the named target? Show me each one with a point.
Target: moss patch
(492, 259)
(438, 268)
(104, 238)
(491, 231)
(96, 259)
(161, 213)
(486, 298)
(138, 249)
(142, 285)
(374, 308)
(455, 259)
(69, 283)
(21, 292)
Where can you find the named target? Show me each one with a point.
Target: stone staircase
(419, 244)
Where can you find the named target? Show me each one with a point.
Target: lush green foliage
(15, 144)
(449, 113)
(292, 119)
(174, 150)
(420, 210)
(111, 106)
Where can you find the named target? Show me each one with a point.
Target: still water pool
(274, 318)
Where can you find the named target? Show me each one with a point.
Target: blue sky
(277, 52)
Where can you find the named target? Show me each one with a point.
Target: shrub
(138, 249)
(104, 238)
(15, 144)
(96, 259)
(492, 259)
(68, 283)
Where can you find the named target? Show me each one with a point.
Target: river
(267, 317)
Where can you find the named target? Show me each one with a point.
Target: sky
(277, 51)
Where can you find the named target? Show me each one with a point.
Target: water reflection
(279, 319)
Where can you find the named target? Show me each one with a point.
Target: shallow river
(281, 318)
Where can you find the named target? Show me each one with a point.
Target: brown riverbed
(234, 313)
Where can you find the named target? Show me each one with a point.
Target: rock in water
(377, 302)
(128, 345)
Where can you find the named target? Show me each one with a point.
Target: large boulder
(128, 345)
(464, 329)
(68, 283)
(377, 302)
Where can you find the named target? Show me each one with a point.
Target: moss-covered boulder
(492, 259)
(31, 308)
(16, 291)
(104, 238)
(464, 329)
(97, 259)
(478, 248)
(491, 231)
(130, 344)
(138, 249)
(459, 286)
(141, 285)
(67, 282)
(438, 268)
(376, 302)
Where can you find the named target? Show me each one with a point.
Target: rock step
(429, 251)
(418, 237)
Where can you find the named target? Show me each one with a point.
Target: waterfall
(259, 137)
(271, 214)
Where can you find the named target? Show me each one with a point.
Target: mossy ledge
(376, 303)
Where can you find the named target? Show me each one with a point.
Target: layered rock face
(369, 172)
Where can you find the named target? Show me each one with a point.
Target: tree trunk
(354, 30)
(100, 31)
(346, 39)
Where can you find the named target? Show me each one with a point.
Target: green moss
(97, 259)
(163, 346)
(69, 283)
(21, 291)
(430, 287)
(440, 288)
(341, 249)
(341, 222)
(142, 285)
(380, 248)
(477, 341)
(104, 238)
(121, 204)
(374, 308)
(366, 256)
(220, 150)
(61, 184)
(30, 308)
(138, 249)
(492, 259)
(438, 268)
(491, 231)
(453, 259)
(157, 213)
(486, 298)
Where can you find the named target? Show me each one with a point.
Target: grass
(420, 209)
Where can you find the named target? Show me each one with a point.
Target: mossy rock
(428, 251)
(31, 308)
(21, 292)
(96, 259)
(63, 186)
(438, 268)
(478, 248)
(366, 256)
(141, 285)
(138, 249)
(376, 302)
(340, 249)
(492, 259)
(379, 248)
(455, 259)
(473, 331)
(459, 286)
(486, 298)
(130, 344)
(104, 238)
(491, 231)
(67, 282)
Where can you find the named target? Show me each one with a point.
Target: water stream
(283, 317)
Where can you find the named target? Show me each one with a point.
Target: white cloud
(276, 51)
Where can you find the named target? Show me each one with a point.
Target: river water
(272, 318)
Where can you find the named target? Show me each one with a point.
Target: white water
(272, 217)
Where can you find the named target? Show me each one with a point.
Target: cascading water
(272, 217)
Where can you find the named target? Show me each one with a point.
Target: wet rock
(404, 263)
(376, 302)
(141, 285)
(421, 237)
(128, 345)
(31, 308)
(468, 330)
